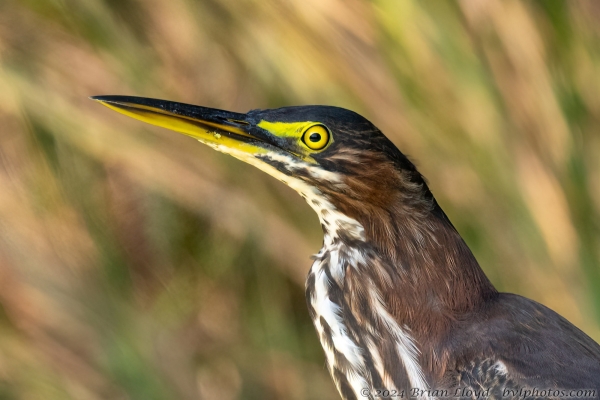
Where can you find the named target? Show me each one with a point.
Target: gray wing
(521, 349)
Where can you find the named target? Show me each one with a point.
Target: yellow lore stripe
(286, 129)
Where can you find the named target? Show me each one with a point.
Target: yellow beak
(217, 128)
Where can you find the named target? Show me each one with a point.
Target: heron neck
(426, 272)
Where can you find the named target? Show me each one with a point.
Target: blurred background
(137, 264)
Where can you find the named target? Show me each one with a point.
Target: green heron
(400, 304)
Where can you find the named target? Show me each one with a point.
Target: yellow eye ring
(316, 137)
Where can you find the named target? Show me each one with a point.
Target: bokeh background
(137, 264)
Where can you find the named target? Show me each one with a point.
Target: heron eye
(316, 137)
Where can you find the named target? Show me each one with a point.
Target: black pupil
(314, 137)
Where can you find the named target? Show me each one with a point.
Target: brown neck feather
(436, 280)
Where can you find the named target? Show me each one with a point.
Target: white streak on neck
(330, 312)
(405, 344)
